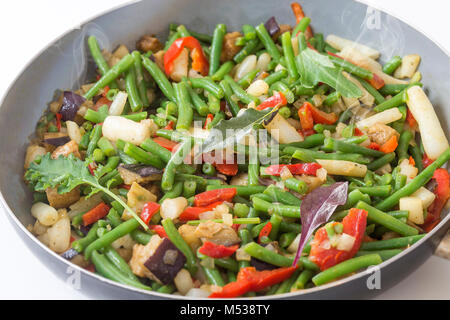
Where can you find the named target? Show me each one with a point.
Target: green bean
(378, 163)
(276, 76)
(353, 198)
(133, 93)
(153, 147)
(282, 196)
(216, 48)
(249, 48)
(136, 116)
(179, 242)
(275, 220)
(114, 217)
(224, 69)
(246, 238)
(376, 191)
(167, 289)
(287, 238)
(98, 155)
(185, 112)
(392, 65)
(106, 146)
(95, 136)
(248, 78)
(289, 54)
(386, 220)
(331, 99)
(393, 89)
(142, 156)
(122, 66)
(395, 101)
(296, 185)
(253, 173)
(417, 156)
(140, 82)
(168, 177)
(300, 153)
(262, 196)
(119, 262)
(200, 36)
(273, 208)
(372, 91)
(240, 93)
(384, 254)
(286, 285)
(189, 188)
(199, 104)
(174, 192)
(249, 32)
(351, 68)
(160, 78)
(290, 227)
(174, 36)
(304, 277)
(420, 180)
(96, 53)
(301, 26)
(403, 143)
(331, 144)
(235, 221)
(111, 236)
(399, 181)
(229, 97)
(280, 86)
(394, 243)
(267, 41)
(345, 268)
(311, 141)
(81, 244)
(266, 255)
(106, 269)
(213, 276)
(208, 85)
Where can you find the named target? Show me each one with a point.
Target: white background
(28, 26)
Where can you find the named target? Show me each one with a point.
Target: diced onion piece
(433, 137)
(384, 117)
(180, 66)
(294, 245)
(343, 168)
(227, 219)
(285, 173)
(73, 130)
(241, 255)
(118, 104)
(183, 281)
(282, 131)
(340, 43)
(425, 195)
(198, 293)
(279, 67)
(408, 67)
(247, 65)
(408, 170)
(58, 235)
(345, 242)
(45, 214)
(116, 127)
(263, 62)
(258, 88)
(172, 208)
(415, 208)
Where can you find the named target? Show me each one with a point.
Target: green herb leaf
(67, 174)
(315, 67)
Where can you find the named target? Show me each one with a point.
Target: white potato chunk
(282, 131)
(408, 67)
(415, 208)
(44, 213)
(425, 195)
(343, 168)
(183, 281)
(116, 127)
(172, 208)
(384, 117)
(340, 43)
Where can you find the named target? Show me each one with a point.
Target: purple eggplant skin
(166, 262)
(142, 170)
(272, 26)
(70, 105)
(56, 138)
(260, 265)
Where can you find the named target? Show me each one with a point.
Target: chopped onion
(116, 127)
(45, 214)
(408, 67)
(345, 242)
(285, 173)
(172, 208)
(198, 293)
(183, 281)
(339, 43)
(241, 255)
(415, 208)
(258, 88)
(227, 219)
(118, 104)
(263, 61)
(249, 64)
(73, 131)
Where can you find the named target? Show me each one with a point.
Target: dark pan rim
(292, 295)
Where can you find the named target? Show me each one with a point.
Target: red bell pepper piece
(426, 161)
(199, 61)
(101, 102)
(374, 146)
(354, 224)
(305, 115)
(165, 143)
(209, 119)
(209, 197)
(91, 167)
(58, 121)
(410, 119)
(390, 145)
(298, 168)
(276, 100)
(125, 186)
(95, 214)
(249, 279)
(376, 82)
(159, 229)
(193, 213)
(299, 15)
(442, 192)
(358, 132)
(149, 210)
(265, 231)
(169, 126)
(322, 117)
(307, 133)
(90, 267)
(229, 169)
(105, 91)
(411, 161)
(217, 251)
(334, 55)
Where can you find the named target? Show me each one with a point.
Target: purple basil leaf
(317, 208)
(70, 105)
(272, 26)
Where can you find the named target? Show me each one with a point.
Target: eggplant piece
(260, 265)
(166, 262)
(139, 173)
(56, 138)
(69, 254)
(272, 26)
(70, 105)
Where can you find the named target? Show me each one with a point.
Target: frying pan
(64, 64)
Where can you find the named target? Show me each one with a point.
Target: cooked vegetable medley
(248, 162)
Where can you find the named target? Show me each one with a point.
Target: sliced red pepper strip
(322, 117)
(411, 161)
(442, 192)
(101, 102)
(299, 15)
(426, 161)
(276, 100)
(217, 251)
(298, 168)
(358, 132)
(233, 289)
(165, 143)
(265, 231)
(410, 119)
(376, 82)
(374, 146)
(199, 61)
(193, 213)
(208, 120)
(209, 197)
(91, 167)
(169, 126)
(305, 115)
(105, 91)
(229, 169)
(159, 230)
(149, 210)
(58, 121)
(354, 224)
(95, 214)
(125, 186)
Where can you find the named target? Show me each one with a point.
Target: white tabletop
(28, 26)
